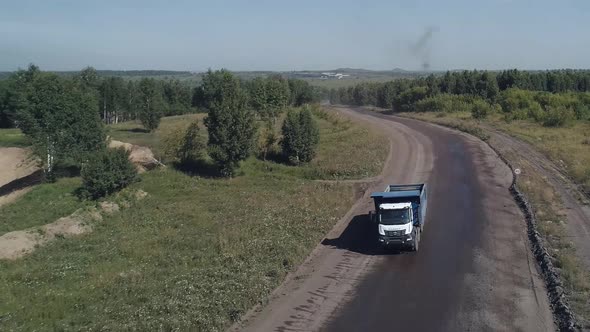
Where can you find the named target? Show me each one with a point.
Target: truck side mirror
(372, 216)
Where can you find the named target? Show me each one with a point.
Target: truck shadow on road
(360, 236)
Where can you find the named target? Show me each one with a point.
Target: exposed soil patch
(16, 244)
(141, 156)
(15, 163)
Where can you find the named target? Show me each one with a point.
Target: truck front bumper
(396, 240)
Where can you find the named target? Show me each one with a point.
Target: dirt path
(473, 272)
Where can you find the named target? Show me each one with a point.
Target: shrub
(106, 172)
(481, 109)
(406, 100)
(443, 103)
(184, 145)
(512, 100)
(558, 116)
(582, 111)
(528, 110)
(300, 136)
(267, 141)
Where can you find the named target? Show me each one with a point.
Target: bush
(481, 109)
(184, 145)
(406, 100)
(301, 136)
(106, 172)
(444, 103)
(267, 141)
(512, 100)
(558, 116)
(582, 111)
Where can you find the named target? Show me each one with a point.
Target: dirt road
(474, 270)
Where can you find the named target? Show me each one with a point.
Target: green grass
(12, 138)
(347, 151)
(194, 255)
(45, 203)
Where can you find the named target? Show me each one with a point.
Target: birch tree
(60, 117)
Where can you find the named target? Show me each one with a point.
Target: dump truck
(400, 212)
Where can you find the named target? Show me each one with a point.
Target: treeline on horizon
(118, 99)
(552, 98)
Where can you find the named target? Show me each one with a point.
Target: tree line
(64, 118)
(552, 98)
(148, 99)
(116, 99)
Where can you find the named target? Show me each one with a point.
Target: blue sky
(294, 35)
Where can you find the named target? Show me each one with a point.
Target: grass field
(197, 252)
(12, 138)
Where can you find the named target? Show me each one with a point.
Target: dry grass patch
(567, 146)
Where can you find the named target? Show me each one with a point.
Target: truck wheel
(416, 243)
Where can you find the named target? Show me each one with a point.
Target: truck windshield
(395, 217)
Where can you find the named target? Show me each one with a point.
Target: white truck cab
(395, 218)
(399, 214)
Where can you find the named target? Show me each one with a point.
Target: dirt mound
(142, 157)
(16, 244)
(15, 163)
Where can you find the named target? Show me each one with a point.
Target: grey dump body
(402, 193)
